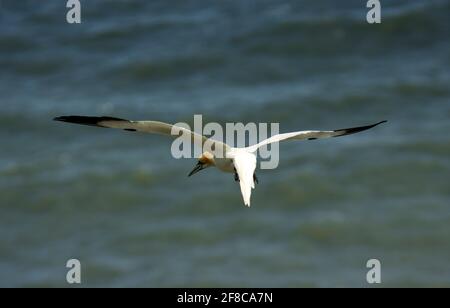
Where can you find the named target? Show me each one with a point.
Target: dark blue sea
(118, 201)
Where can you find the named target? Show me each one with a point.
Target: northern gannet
(240, 161)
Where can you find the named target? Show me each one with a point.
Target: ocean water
(126, 209)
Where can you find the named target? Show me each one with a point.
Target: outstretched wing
(153, 127)
(245, 164)
(311, 135)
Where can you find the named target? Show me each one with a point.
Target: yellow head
(206, 160)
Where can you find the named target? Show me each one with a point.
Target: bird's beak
(198, 167)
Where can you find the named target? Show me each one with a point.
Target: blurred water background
(125, 208)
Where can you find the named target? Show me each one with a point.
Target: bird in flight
(239, 161)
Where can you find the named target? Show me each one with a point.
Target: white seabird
(240, 161)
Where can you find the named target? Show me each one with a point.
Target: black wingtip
(61, 119)
(68, 119)
(376, 124)
(354, 130)
(84, 120)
